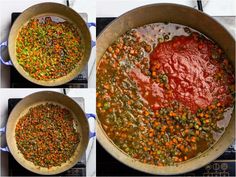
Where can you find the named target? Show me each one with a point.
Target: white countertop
(114, 8)
(81, 6)
(89, 96)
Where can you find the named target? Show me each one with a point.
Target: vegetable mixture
(48, 50)
(46, 135)
(163, 93)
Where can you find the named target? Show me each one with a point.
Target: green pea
(106, 105)
(196, 126)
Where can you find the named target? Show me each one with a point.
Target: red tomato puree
(190, 65)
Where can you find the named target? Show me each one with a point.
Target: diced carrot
(213, 106)
(156, 124)
(154, 73)
(175, 158)
(99, 105)
(130, 123)
(182, 148)
(174, 140)
(197, 132)
(201, 114)
(142, 128)
(193, 139)
(156, 113)
(150, 143)
(106, 86)
(171, 128)
(186, 131)
(186, 149)
(114, 55)
(163, 128)
(117, 50)
(132, 51)
(146, 113)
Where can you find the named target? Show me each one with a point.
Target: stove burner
(18, 81)
(15, 169)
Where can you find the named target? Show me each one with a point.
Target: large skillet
(59, 99)
(176, 14)
(56, 10)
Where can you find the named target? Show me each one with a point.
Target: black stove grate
(15, 169)
(109, 166)
(18, 81)
(102, 23)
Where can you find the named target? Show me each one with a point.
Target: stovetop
(15, 169)
(18, 81)
(223, 166)
(109, 166)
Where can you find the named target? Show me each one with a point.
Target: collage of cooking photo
(117, 88)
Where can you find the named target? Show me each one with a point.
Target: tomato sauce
(187, 61)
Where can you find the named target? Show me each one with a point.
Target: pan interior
(56, 169)
(174, 14)
(58, 12)
(57, 19)
(149, 33)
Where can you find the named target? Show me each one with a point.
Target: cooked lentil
(46, 136)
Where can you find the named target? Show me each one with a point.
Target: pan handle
(92, 24)
(8, 63)
(89, 115)
(4, 149)
(3, 130)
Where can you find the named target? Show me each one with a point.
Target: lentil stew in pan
(165, 93)
(49, 50)
(46, 135)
